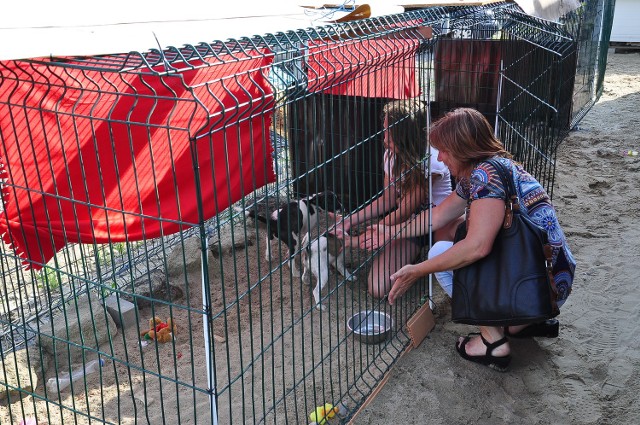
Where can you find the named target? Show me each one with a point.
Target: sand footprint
(581, 401)
(603, 343)
(599, 185)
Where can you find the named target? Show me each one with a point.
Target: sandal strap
(493, 345)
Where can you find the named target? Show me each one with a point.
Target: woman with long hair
(405, 192)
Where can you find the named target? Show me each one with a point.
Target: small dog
(292, 220)
(318, 253)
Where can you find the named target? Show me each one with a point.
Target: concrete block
(122, 311)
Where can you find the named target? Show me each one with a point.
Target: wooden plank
(411, 4)
(625, 47)
(432, 3)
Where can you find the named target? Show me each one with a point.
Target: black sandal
(498, 363)
(547, 329)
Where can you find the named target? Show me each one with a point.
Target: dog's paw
(320, 307)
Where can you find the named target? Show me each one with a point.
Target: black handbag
(514, 284)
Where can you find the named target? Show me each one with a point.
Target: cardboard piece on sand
(420, 324)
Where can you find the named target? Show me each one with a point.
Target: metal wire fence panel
(161, 218)
(590, 26)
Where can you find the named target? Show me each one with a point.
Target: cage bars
(261, 335)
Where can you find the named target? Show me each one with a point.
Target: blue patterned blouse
(485, 182)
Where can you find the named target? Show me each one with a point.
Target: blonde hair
(467, 135)
(407, 122)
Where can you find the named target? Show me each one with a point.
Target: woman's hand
(347, 239)
(342, 223)
(402, 280)
(375, 236)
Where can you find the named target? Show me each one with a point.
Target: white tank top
(441, 182)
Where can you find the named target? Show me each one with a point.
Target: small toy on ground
(159, 331)
(322, 413)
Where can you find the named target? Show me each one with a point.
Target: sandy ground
(589, 375)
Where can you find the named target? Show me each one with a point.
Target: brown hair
(407, 121)
(467, 135)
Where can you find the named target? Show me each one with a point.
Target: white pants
(445, 279)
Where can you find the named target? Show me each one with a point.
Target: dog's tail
(242, 210)
(305, 240)
(251, 212)
(305, 255)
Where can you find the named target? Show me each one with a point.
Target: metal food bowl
(370, 326)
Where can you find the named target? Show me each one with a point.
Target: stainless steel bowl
(370, 326)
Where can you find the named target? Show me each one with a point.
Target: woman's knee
(378, 285)
(448, 232)
(387, 262)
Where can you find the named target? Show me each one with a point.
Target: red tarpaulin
(99, 157)
(379, 67)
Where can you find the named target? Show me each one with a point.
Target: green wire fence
(136, 288)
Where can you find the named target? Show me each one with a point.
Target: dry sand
(590, 374)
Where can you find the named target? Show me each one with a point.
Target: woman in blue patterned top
(465, 141)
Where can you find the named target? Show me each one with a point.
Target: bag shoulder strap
(511, 195)
(507, 179)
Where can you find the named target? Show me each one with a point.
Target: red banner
(97, 157)
(378, 67)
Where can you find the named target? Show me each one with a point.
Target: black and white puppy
(292, 220)
(319, 253)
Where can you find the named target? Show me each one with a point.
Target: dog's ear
(313, 199)
(338, 203)
(309, 204)
(332, 201)
(326, 200)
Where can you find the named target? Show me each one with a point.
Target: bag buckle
(508, 214)
(548, 256)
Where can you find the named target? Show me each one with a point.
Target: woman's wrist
(407, 229)
(388, 220)
(398, 230)
(356, 219)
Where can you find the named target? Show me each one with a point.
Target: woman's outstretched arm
(450, 209)
(487, 216)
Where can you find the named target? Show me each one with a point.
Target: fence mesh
(139, 281)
